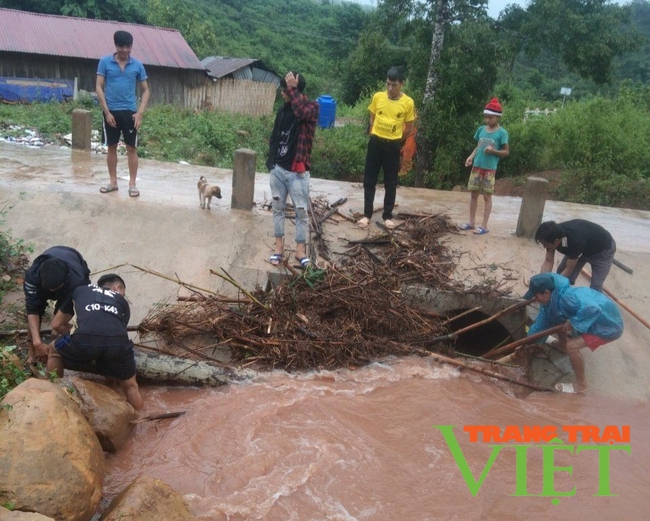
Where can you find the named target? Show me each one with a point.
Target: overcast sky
(496, 6)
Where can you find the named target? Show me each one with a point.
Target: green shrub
(208, 138)
(452, 141)
(340, 153)
(594, 186)
(12, 371)
(50, 119)
(604, 135)
(10, 249)
(528, 149)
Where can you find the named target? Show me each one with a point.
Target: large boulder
(51, 461)
(108, 413)
(148, 499)
(15, 515)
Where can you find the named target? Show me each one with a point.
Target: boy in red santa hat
(492, 145)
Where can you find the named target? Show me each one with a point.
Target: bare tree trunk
(424, 146)
(172, 370)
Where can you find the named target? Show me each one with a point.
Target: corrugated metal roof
(34, 33)
(220, 66)
(265, 76)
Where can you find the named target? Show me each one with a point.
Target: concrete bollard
(531, 211)
(82, 124)
(243, 179)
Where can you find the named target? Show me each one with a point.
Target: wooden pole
(509, 348)
(163, 416)
(333, 209)
(456, 317)
(16, 332)
(623, 266)
(486, 372)
(456, 334)
(620, 303)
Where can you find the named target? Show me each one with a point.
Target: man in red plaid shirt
(288, 161)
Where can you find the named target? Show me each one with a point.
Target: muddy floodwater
(361, 445)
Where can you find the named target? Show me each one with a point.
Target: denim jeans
(283, 183)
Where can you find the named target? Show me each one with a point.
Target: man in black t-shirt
(581, 242)
(52, 276)
(101, 336)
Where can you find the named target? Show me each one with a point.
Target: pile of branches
(348, 315)
(414, 252)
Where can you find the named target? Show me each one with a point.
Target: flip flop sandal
(133, 191)
(276, 259)
(389, 224)
(481, 231)
(363, 223)
(108, 189)
(304, 262)
(465, 227)
(565, 388)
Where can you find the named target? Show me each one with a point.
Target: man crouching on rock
(101, 336)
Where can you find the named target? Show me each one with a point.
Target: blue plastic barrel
(327, 111)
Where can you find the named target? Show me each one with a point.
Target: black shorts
(105, 355)
(125, 127)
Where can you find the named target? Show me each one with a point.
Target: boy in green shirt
(492, 144)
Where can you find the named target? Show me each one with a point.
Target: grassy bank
(599, 145)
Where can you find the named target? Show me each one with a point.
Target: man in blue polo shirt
(117, 77)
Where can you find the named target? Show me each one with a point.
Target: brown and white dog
(207, 192)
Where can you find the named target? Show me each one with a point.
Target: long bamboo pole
(620, 303)
(16, 332)
(486, 372)
(456, 334)
(509, 348)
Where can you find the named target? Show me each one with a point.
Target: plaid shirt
(306, 113)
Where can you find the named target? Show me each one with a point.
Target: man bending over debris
(101, 336)
(581, 242)
(591, 319)
(53, 275)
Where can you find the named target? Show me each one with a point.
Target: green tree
(586, 35)
(441, 14)
(120, 10)
(368, 63)
(636, 65)
(199, 33)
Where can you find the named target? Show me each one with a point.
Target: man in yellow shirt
(391, 121)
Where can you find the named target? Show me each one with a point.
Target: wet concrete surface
(51, 196)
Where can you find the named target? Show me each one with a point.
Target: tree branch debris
(346, 316)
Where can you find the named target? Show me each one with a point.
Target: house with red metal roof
(43, 47)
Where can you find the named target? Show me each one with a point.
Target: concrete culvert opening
(482, 339)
